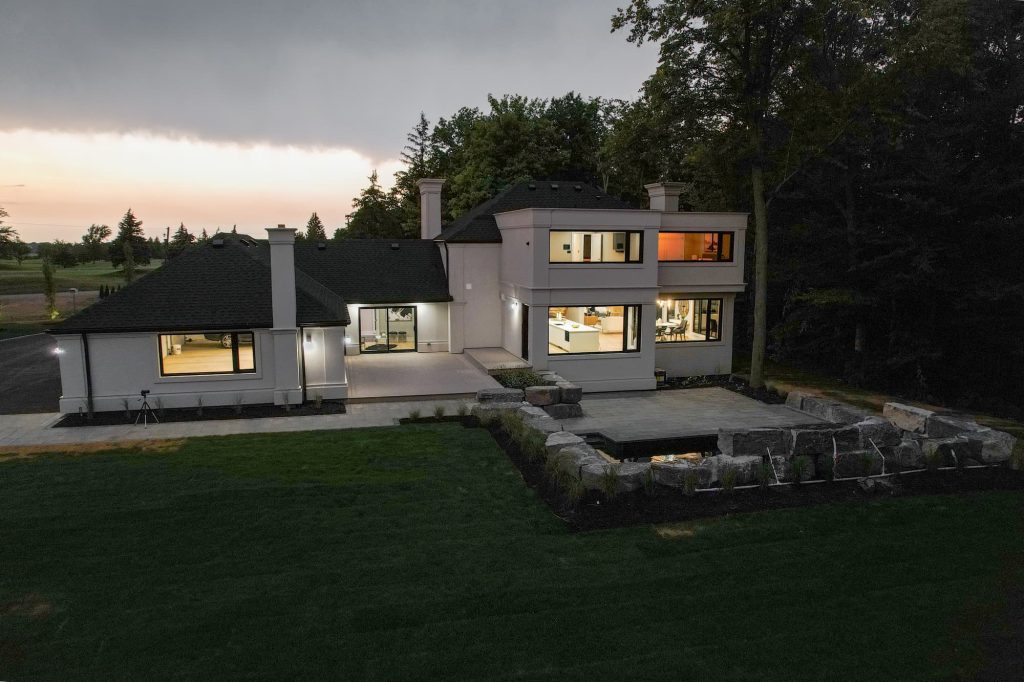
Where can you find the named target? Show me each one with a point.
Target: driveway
(29, 375)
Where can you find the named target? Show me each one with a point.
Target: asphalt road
(29, 375)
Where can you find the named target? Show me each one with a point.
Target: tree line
(879, 147)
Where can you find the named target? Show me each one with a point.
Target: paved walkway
(646, 415)
(34, 429)
(29, 375)
(413, 375)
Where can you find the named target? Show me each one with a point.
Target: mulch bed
(664, 505)
(191, 414)
(726, 381)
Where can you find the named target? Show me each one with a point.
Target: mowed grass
(27, 278)
(417, 552)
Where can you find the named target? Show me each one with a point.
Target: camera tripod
(145, 411)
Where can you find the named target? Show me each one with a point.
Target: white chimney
(665, 196)
(282, 275)
(430, 207)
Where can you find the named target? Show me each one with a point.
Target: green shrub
(573, 488)
(439, 411)
(533, 445)
(650, 486)
(690, 481)
(765, 475)
(610, 480)
(799, 466)
(933, 460)
(727, 478)
(463, 409)
(551, 465)
(414, 414)
(519, 378)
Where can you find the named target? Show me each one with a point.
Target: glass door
(390, 329)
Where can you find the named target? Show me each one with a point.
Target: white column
(665, 196)
(287, 374)
(430, 207)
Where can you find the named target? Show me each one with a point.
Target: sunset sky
(254, 113)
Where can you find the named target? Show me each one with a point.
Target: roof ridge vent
(395, 246)
(578, 188)
(532, 186)
(320, 246)
(217, 242)
(554, 186)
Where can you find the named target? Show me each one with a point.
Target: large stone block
(499, 395)
(948, 451)
(856, 464)
(542, 395)
(494, 409)
(739, 442)
(544, 424)
(561, 439)
(674, 474)
(816, 405)
(878, 430)
(908, 454)
(574, 458)
(786, 468)
(841, 413)
(629, 476)
(950, 425)
(569, 392)
(531, 412)
(813, 441)
(564, 410)
(748, 467)
(991, 446)
(907, 417)
(795, 399)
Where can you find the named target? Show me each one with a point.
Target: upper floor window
(595, 247)
(694, 246)
(209, 352)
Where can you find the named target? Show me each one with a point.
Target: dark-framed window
(695, 247)
(387, 329)
(595, 246)
(688, 320)
(587, 329)
(207, 352)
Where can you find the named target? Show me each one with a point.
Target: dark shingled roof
(377, 270)
(229, 286)
(479, 226)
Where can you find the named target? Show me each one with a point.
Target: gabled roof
(207, 287)
(479, 226)
(376, 270)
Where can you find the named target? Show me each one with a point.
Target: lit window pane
(593, 329)
(210, 352)
(695, 246)
(690, 319)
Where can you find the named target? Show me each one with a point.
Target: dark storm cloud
(332, 73)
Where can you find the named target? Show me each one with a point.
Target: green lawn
(27, 278)
(417, 552)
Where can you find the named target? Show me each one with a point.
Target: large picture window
(595, 247)
(593, 329)
(391, 329)
(694, 246)
(209, 352)
(688, 319)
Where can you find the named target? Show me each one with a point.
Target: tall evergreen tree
(129, 231)
(180, 240)
(376, 214)
(315, 229)
(415, 155)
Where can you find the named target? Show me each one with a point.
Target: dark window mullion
(234, 352)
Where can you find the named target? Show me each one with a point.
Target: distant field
(27, 278)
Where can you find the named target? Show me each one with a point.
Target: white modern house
(558, 275)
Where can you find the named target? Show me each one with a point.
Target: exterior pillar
(430, 207)
(285, 334)
(665, 196)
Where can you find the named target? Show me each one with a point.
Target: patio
(650, 415)
(405, 375)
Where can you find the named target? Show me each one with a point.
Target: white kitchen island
(573, 337)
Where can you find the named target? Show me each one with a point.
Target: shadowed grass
(416, 552)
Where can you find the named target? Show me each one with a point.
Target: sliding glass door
(390, 329)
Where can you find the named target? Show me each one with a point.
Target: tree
(416, 156)
(315, 229)
(128, 261)
(20, 250)
(93, 240)
(8, 236)
(203, 237)
(50, 290)
(729, 61)
(129, 231)
(180, 241)
(62, 254)
(376, 214)
(340, 233)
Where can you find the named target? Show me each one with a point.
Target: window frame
(415, 328)
(721, 241)
(625, 317)
(706, 319)
(234, 353)
(627, 260)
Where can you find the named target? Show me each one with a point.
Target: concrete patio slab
(633, 416)
(489, 359)
(409, 375)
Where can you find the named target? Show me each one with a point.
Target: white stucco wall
(704, 357)
(324, 354)
(475, 317)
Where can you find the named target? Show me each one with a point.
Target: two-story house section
(573, 280)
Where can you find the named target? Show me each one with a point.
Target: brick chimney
(665, 196)
(282, 275)
(430, 207)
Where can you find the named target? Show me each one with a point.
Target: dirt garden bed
(194, 414)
